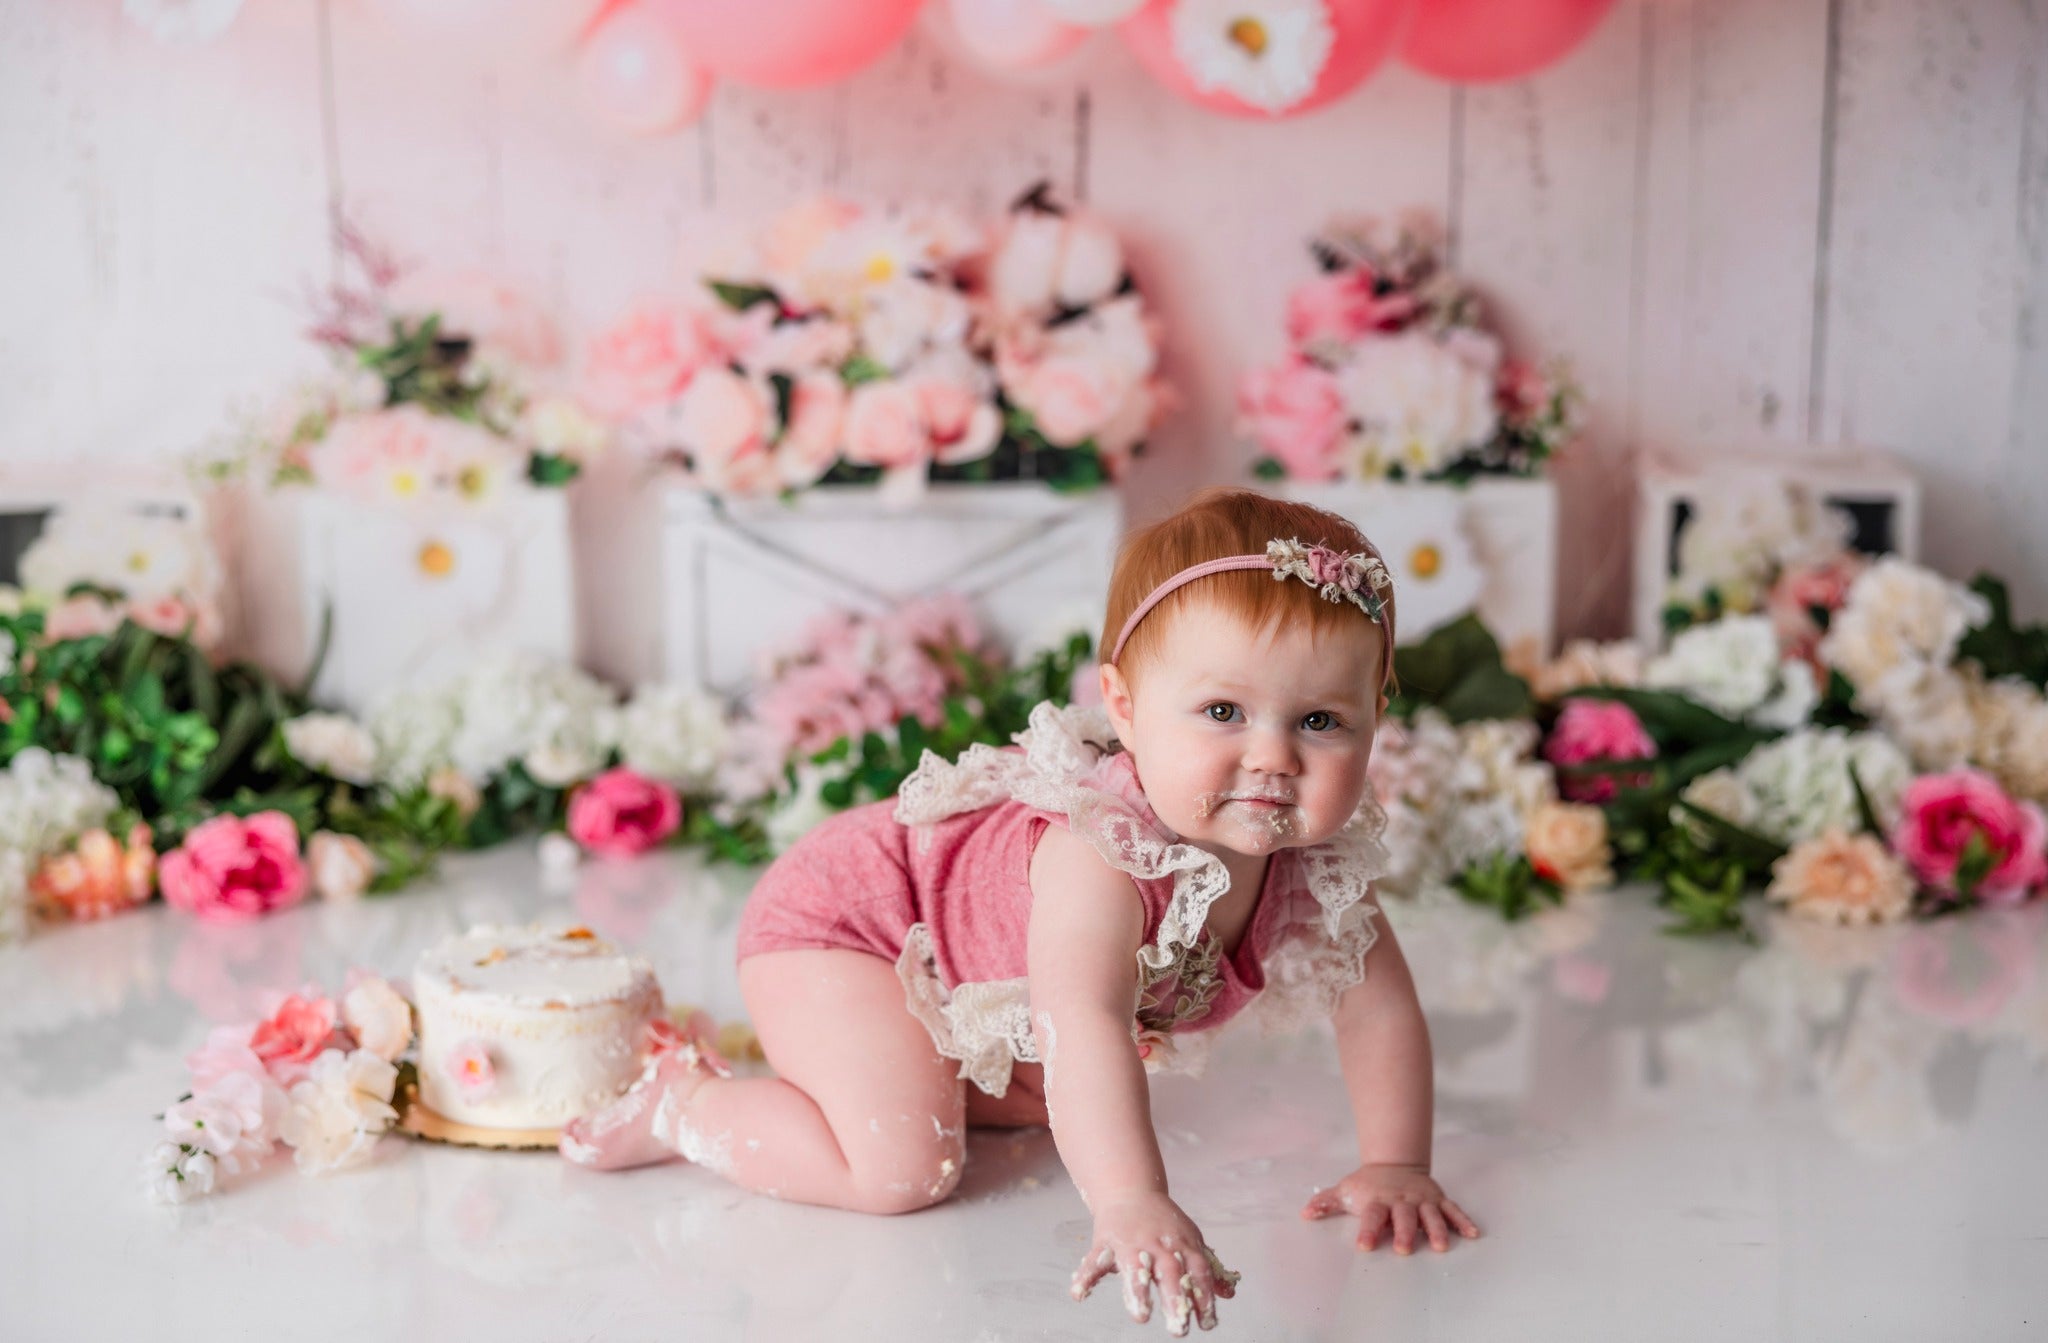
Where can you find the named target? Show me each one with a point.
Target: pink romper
(937, 882)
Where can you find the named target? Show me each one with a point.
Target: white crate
(1882, 497)
(420, 594)
(741, 577)
(1493, 543)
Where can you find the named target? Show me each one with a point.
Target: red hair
(1214, 524)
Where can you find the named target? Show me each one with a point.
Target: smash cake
(528, 1028)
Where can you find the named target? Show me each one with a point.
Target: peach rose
(885, 425)
(646, 358)
(1841, 878)
(1567, 843)
(98, 877)
(341, 865)
(232, 869)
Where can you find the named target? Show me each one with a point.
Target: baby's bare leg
(864, 1113)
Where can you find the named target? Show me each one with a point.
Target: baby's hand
(1146, 1237)
(1396, 1194)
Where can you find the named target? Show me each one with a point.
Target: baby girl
(1021, 936)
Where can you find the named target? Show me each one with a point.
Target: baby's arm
(1383, 1048)
(1086, 925)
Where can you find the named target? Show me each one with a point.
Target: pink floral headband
(1337, 575)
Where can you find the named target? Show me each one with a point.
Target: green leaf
(1269, 468)
(1753, 848)
(551, 470)
(740, 297)
(860, 368)
(1864, 811)
(1458, 670)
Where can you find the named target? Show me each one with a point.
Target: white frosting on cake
(547, 1020)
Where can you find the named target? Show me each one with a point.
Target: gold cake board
(421, 1121)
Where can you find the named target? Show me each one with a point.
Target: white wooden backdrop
(1797, 221)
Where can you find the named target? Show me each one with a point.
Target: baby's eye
(1222, 712)
(1319, 721)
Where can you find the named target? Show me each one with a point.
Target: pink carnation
(1295, 411)
(621, 812)
(1593, 730)
(1341, 308)
(232, 869)
(293, 1036)
(1941, 814)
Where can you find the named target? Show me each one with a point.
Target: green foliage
(1458, 671)
(549, 470)
(1269, 468)
(1507, 884)
(740, 297)
(2001, 647)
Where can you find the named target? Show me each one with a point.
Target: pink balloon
(786, 44)
(636, 77)
(1478, 41)
(1365, 34)
(1013, 34)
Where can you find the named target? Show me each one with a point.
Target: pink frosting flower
(1945, 819)
(293, 1036)
(232, 869)
(469, 1067)
(621, 812)
(1295, 411)
(645, 358)
(1342, 308)
(1596, 730)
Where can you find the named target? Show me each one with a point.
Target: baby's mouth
(1211, 803)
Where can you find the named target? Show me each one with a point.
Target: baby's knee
(901, 1186)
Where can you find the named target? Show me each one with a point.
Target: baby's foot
(638, 1128)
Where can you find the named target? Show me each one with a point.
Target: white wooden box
(420, 594)
(1881, 497)
(740, 578)
(1489, 546)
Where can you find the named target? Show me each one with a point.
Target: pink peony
(621, 813)
(231, 868)
(1295, 411)
(810, 440)
(646, 358)
(1341, 308)
(292, 1037)
(1591, 730)
(1941, 815)
(885, 425)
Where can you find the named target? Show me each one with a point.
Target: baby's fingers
(1404, 1228)
(1324, 1202)
(1138, 1278)
(1377, 1217)
(1094, 1268)
(1458, 1219)
(1433, 1223)
(1224, 1279)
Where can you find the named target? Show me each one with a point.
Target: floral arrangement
(320, 1077)
(442, 393)
(1390, 372)
(856, 346)
(93, 566)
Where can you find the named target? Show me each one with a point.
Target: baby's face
(1251, 741)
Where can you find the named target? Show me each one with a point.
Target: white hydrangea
(1801, 782)
(1899, 623)
(558, 722)
(334, 744)
(675, 732)
(415, 735)
(1455, 795)
(340, 1110)
(1418, 403)
(1734, 667)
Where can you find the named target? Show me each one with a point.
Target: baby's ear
(1116, 697)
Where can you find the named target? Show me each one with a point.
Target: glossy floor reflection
(1838, 1135)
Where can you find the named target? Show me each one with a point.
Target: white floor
(1842, 1135)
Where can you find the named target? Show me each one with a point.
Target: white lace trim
(1318, 953)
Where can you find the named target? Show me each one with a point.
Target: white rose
(1899, 622)
(561, 427)
(378, 1017)
(339, 1110)
(1720, 792)
(1418, 404)
(1731, 665)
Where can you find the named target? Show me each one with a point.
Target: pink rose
(961, 424)
(231, 869)
(885, 425)
(621, 813)
(1803, 588)
(810, 440)
(469, 1066)
(1071, 397)
(1295, 411)
(80, 618)
(293, 1036)
(721, 418)
(1342, 307)
(1944, 817)
(1592, 730)
(646, 358)
(225, 1054)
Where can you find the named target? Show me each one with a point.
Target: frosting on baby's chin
(1250, 826)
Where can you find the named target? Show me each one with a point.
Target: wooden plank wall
(1790, 221)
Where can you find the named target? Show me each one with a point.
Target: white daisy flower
(1267, 53)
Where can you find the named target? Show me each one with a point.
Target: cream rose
(1567, 842)
(341, 865)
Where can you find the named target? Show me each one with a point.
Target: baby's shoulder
(1063, 861)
